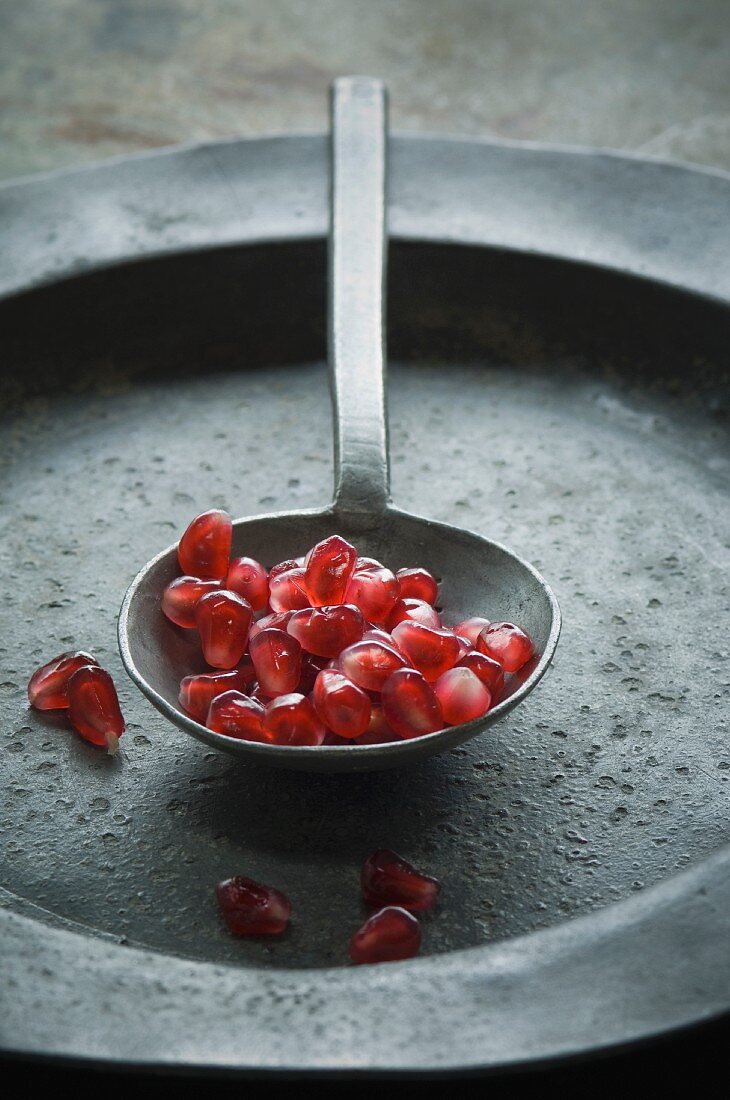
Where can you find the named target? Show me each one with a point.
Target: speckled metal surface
(577, 413)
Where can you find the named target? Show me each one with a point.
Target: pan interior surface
(580, 417)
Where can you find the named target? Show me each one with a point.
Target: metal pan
(558, 331)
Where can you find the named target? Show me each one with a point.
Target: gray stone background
(86, 79)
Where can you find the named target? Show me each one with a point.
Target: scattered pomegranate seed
(285, 567)
(431, 651)
(410, 704)
(292, 720)
(93, 707)
(277, 619)
(341, 705)
(235, 715)
(328, 568)
(471, 628)
(390, 935)
(388, 879)
(417, 610)
(465, 646)
(198, 692)
(180, 598)
(277, 658)
(48, 686)
(369, 664)
(248, 578)
(375, 591)
(326, 631)
(287, 591)
(378, 731)
(205, 547)
(418, 584)
(363, 564)
(489, 672)
(507, 644)
(462, 696)
(223, 620)
(251, 909)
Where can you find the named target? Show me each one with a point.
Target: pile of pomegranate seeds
(76, 683)
(331, 648)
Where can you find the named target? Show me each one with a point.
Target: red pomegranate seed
(374, 591)
(489, 672)
(198, 692)
(48, 686)
(341, 705)
(416, 610)
(180, 598)
(465, 646)
(378, 731)
(326, 631)
(418, 584)
(277, 658)
(390, 935)
(363, 564)
(388, 879)
(236, 715)
(471, 628)
(369, 664)
(430, 651)
(285, 566)
(223, 620)
(410, 704)
(292, 720)
(506, 643)
(249, 579)
(93, 707)
(205, 547)
(287, 591)
(328, 568)
(278, 620)
(251, 909)
(462, 696)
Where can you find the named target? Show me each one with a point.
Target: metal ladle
(478, 576)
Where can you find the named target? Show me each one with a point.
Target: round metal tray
(558, 330)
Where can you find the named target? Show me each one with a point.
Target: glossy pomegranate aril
(431, 651)
(462, 696)
(181, 596)
(93, 707)
(341, 705)
(328, 568)
(251, 909)
(418, 584)
(369, 664)
(507, 644)
(471, 628)
(277, 619)
(363, 564)
(390, 935)
(198, 692)
(248, 578)
(285, 566)
(410, 704)
(277, 658)
(292, 720)
(287, 591)
(223, 620)
(375, 591)
(489, 672)
(205, 547)
(236, 715)
(416, 610)
(379, 732)
(48, 686)
(388, 879)
(326, 631)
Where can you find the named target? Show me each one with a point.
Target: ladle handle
(357, 269)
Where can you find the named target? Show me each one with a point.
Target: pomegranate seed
(223, 620)
(416, 610)
(489, 672)
(369, 664)
(180, 598)
(329, 566)
(248, 578)
(388, 879)
(326, 631)
(374, 591)
(378, 731)
(235, 715)
(93, 707)
(471, 628)
(205, 547)
(506, 643)
(287, 591)
(198, 692)
(292, 720)
(278, 620)
(465, 646)
(390, 935)
(362, 565)
(251, 909)
(285, 566)
(341, 705)
(430, 651)
(48, 686)
(277, 658)
(418, 584)
(462, 696)
(410, 704)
